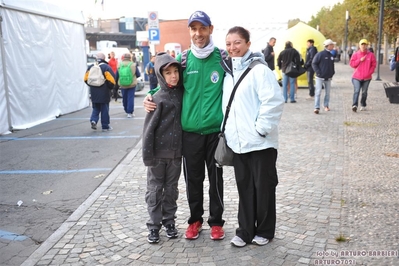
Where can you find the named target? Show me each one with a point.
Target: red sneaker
(217, 232)
(193, 230)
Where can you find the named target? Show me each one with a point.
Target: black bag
(294, 70)
(223, 154)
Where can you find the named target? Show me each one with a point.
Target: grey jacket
(162, 133)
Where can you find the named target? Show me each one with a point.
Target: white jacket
(256, 108)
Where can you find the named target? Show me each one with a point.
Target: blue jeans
(102, 108)
(327, 87)
(292, 87)
(357, 85)
(128, 99)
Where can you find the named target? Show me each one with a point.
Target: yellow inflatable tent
(298, 35)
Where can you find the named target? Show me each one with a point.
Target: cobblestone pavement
(338, 176)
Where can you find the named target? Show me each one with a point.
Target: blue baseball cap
(201, 17)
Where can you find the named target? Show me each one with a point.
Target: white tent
(42, 63)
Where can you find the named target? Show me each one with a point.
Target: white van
(172, 46)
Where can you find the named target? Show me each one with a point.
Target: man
(100, 95)
(150, 71)
(201, 120)
(396, 58)
(311, 51)
(269, 53)
(364, 63)
(288, 55)
(128, 89)
(323, 65)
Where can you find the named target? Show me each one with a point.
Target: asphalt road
(47, 171)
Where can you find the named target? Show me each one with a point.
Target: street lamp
(347, 18)
(381, 20)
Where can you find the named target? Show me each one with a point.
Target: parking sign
(153, 35)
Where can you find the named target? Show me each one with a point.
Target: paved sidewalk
(338, 177)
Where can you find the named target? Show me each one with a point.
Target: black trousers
(397, 72)
(310, 76)
(198, 153)
(256, 177)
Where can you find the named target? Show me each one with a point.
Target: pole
(381, 19)
(346, 35)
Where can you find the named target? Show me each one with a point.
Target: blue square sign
(153, 35)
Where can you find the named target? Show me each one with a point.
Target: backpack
(96, 77)
(183, 59)
(125, 74)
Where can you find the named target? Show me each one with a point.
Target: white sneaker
(238, 242)
(129, 115)
(261, 241)
(107, 129)
(363, 108)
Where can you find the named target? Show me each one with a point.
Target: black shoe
(93, 125)
(171, 231)
(153, 236)
(293, 101)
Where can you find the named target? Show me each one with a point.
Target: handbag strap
(253, 63)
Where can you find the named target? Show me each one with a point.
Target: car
(139, 86)
(91, 59)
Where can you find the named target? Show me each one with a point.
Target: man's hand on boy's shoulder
(148, 104)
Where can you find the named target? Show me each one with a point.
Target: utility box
(392, 91)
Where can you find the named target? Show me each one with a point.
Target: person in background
(288, 55)
(128, 91)
(252, 133)
(364, 63)
(311, 51)
(396, 58)
(323, 65)
(268, 53)
(201, 120)
(113, 63)
(350, 52)
(150, 71)
(100, 96)
(162, 149)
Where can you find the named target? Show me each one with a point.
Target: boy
(162, 148)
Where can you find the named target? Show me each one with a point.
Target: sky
(257, 18)
(220, 11)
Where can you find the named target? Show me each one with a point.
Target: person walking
(364, 63)
(288, 55)
(323, 65)
(311, 51)
(150, 71)
(100, 95)
(268, 53)
(201, 120)
(127, 75)
(162, 149)
(252, 133)
(396, 58)
(113, 63)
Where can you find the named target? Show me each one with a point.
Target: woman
(113, 63)
(363, 62)
(252, 133)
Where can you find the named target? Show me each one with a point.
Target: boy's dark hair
(311, 41)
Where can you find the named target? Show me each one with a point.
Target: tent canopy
(42, 63)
